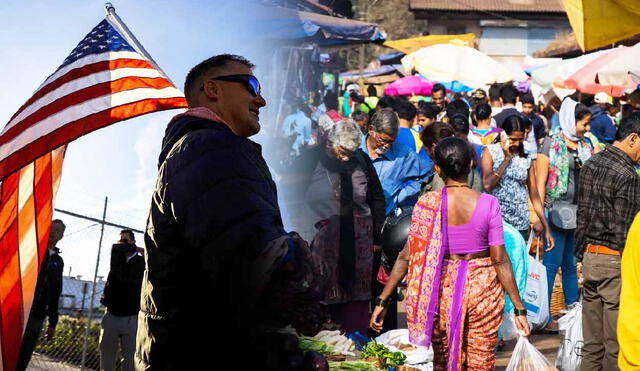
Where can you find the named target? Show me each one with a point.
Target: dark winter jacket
(602, 125)
(122, 290)
(213, 209)
(48, 288)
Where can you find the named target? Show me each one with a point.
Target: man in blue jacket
(602, 125)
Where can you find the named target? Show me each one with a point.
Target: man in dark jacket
(45, 298)
(601, 123)
(122, 299)
(214, 235)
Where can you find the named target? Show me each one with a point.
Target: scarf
(559, 157)
(568, 119)
(347, 249)
(427, 241)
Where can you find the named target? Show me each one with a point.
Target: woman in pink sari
(457, 269)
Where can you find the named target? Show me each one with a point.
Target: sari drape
(446, 293)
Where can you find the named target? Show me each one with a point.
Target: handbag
(563, 215)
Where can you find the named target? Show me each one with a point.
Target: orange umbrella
(585, 81)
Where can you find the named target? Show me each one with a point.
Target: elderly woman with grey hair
(335, 200)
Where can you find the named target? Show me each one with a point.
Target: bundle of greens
(308, 343)
(352, 366)
(385, 358)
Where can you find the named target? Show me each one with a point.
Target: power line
(99, 221)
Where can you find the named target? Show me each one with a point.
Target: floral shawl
(559, 157)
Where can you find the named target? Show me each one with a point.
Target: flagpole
(115, 20)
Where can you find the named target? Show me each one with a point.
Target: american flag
(108, 77)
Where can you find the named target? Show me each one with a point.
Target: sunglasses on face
(249, 81)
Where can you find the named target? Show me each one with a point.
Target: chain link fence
(73, 347)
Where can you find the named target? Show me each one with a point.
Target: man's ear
(212, 89)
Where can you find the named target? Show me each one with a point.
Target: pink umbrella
(410, 85)
(584, 79)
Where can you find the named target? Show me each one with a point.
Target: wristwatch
(381, 302)
(519, 312)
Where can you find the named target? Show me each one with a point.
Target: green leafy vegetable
(352, 366)
(386, 357)
(308, 343)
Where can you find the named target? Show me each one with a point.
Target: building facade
(505, 29)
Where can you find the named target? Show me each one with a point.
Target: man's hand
(140, 249)
(50, 333)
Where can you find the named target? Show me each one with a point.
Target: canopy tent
(289, 24)
(598, 23)
(585, 79)
(390, 73)
(625, 65)
(545, 76)
(416, 43)
(457, 63)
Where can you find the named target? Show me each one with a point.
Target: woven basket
(557, 295)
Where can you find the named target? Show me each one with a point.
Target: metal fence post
(93, 289)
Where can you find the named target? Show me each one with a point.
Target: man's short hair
(528, 99)
(358, 115)
(458, 107)
(194, 78)
(494, 92)
(509, 94)
(628, 125)
(129, 232)
(60, 222)
(438, 87)
(427, 110)
(406, 110)
(385, 121)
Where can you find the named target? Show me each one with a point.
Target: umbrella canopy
(516, 70)
(410, 85)
(416, 43)
(584, 79)
(598, 23)
(451, 62)
(617, 71)
(559, 71)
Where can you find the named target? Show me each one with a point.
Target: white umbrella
(451, 62)
(617, 71)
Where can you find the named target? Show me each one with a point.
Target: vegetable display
(308, 343)
(352, 366)
(383, 356)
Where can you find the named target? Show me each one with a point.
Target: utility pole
(93, 288)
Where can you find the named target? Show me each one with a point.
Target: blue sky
(118, 161)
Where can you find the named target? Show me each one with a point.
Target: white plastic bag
(396, 339)
(570, 351)
(508, 328)
(536, 297)
(526, 357)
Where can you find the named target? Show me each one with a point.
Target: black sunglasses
(250, 82)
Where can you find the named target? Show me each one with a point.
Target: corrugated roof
(498, 6)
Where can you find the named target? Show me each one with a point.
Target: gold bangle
(496, 174)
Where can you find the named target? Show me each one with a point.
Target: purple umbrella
(410, 85)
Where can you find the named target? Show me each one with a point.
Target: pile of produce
(382, 356)
(341, 344)
(352, 366)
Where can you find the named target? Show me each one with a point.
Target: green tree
(392, 16)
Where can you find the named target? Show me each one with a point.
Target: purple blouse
(483, 229)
